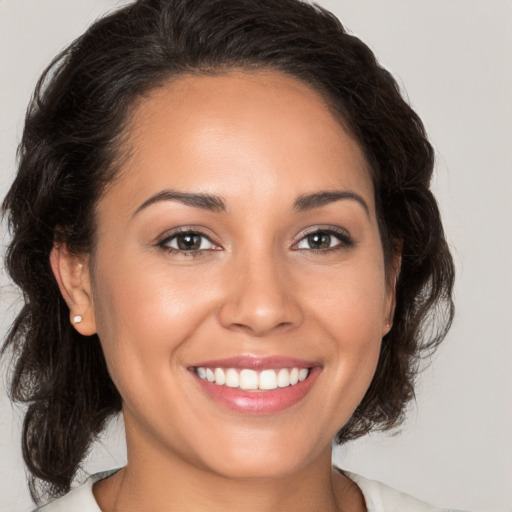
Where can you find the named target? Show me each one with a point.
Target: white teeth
(253, 380)
(220, 376)
(268, 379)
(283, 378)
(303, 373)
(232, 379)
(248, 379)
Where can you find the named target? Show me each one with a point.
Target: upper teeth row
(251, 379)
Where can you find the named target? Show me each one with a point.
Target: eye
(324, 239)
(187, 242)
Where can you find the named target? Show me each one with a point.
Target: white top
(378, 497)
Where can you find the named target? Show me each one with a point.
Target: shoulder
(380, 497)
(80, 499)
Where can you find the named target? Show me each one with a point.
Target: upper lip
(256, 363)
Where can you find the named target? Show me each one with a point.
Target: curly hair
(70, 150)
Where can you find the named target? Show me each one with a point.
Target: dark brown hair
(68, 153)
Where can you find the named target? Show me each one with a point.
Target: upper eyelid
(342, 234)
(325, 229)
(167, 235)
(165, 241)
(334, 230)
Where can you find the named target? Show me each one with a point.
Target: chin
(267, 455)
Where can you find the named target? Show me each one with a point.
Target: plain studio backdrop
(454, 59)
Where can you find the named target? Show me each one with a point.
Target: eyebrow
(216, 203)
(318, 199)
(197, 200)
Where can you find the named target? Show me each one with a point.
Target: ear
(394, 273)
(73, 277)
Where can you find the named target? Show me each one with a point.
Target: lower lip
(259, 402)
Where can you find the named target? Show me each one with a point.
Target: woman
(223, 228)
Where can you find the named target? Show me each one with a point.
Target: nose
(260, 298)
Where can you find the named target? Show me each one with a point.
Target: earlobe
(71, 272)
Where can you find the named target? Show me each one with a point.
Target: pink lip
(258, 402)
(257, 363)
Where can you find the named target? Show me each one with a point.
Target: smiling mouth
(252, 380)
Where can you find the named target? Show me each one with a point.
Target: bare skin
(256, 284)
(335, 493)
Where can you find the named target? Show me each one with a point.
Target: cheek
(144, 315)
(350, 308)
(144, 294)
(350, 299)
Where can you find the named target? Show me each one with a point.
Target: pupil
(319, 240)
(189, 242)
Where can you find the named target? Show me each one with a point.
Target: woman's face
(239, 243)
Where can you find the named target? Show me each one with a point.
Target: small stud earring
(77, 319)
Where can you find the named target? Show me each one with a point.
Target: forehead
(240, 133)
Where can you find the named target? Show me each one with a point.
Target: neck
(156, 479)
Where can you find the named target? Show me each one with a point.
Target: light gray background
(454, 57)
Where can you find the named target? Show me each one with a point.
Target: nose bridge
(260, 297)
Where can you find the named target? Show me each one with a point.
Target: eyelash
(163, 244)
(345, 241)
